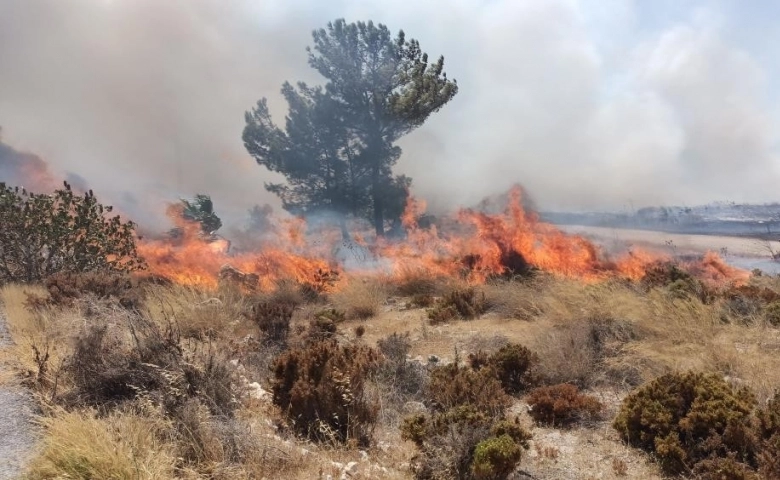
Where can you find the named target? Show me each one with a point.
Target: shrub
(62, 232)
(515, 367)
(273, 319)
(406, 378)
(495, 458)
(65, 288)
(448, 442)
(464, 303)
(320, 388)
(772, 313)
(562, 405)
(684, 418)
(451, 386)
(106, 372)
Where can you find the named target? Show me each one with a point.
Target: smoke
(25, 170)
(588, 104)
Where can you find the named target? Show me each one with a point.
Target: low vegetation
(137, 375)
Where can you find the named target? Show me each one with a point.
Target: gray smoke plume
(589, 104)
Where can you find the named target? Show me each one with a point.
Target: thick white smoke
(589, 104)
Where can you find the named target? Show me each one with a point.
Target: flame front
(472, 245)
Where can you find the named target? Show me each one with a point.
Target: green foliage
(562, 405)
(685, 418)
(62, 232)
(201, 210)
(449, 441)
(466, 303)
(337, 149)
(320, 388)
(772, 313)
(495, 458)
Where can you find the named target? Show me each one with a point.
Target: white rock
(350, 470)
(363, 455)
(254, 390)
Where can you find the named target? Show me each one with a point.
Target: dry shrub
(513, 365)
(772, 313)
(66, 288)
(320, 389)
(451, 386)
(584, 352)
(466, 303)
(360, 299)
(418, 283)
(686, 418)
(421, 300)
(398, 380)
(518, 299)
(117, 446)
(106, 371)
(273, 319)
(562, 405)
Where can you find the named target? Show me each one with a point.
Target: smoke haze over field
(589, 104)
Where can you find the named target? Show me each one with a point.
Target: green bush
(320, 388)
(495, 458)
(772, 313)
(63, 232)
(448, 443)
(685, 418)
(562, 405)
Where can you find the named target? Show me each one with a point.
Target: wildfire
(473, 245)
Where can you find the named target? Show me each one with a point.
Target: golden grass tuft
(81, 445)
(361, 298)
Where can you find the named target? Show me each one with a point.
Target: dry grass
(361, 298)
(119, 446)
(652, 333)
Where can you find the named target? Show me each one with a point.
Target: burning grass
(191, 362)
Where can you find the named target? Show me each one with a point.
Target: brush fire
(472, 245)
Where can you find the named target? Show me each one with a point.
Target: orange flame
(473, 245)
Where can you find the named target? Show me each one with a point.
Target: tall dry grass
(82, 445)
(361, 298)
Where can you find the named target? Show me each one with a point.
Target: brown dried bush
(513, 365)
(451, 386)
(466, 303)
(273, 319)
(65, 288)
(562, 405)
(321, 390)
(105, 371)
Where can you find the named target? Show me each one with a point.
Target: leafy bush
(464, 303)
(320, 388)
(495, 458)
(62, 232)
(685, 418)
(562, 405)
(449, 441)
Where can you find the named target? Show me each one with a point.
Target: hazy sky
(589, 104)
